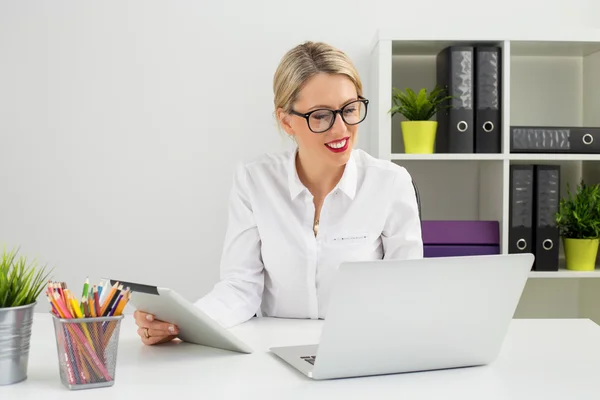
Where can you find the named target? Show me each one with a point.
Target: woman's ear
(284, 121)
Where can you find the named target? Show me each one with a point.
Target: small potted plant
(21, 282)
(578, 221)
(418, 132)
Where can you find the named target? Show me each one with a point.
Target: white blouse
(272, 263)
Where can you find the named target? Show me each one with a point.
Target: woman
(294, 217)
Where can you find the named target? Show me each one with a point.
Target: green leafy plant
(421, 106)
(578, 216)
(21, 281)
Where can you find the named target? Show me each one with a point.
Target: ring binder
(546, 139)
(454, 72)
(488, 99)
(546, 199)
(521, 209)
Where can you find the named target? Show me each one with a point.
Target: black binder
(454, 70)
(545, 234)
(488, 99)
(554, 139)
(520, 232)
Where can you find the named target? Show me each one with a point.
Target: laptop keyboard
(309, 359)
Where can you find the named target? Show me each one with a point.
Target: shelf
(446, 156)
(523, 48)
(538, 42)
(565, 273)
(554, 49)
(496, 157)
(553, 157)
(429, 48)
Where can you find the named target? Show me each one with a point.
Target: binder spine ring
(462, 126)
(488, 126)
(588, 139)
(521, 244)
(548, 244)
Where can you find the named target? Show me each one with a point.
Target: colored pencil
(84, 292)
(97, 303)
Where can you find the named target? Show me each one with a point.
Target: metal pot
(15, 335)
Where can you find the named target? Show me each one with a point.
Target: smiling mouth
(338, 146)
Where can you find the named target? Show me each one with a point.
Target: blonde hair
(304, 61)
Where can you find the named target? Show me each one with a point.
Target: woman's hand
(153, 331)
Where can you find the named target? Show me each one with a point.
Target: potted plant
(418, 132)
(21, 282)
(578, 221)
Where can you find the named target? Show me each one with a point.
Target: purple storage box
(460, 238)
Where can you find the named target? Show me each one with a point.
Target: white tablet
(194, 325)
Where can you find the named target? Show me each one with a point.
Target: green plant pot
(419, 136)
(15, 335)
(580, 254)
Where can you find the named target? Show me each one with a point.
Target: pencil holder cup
(87, 351)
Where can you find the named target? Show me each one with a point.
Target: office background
(121, 122)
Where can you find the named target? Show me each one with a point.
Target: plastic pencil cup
(87, 351)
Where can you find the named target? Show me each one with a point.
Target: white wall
(121, 121)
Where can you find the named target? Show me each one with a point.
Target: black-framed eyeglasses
(322, 119)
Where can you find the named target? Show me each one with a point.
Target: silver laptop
(394, 316)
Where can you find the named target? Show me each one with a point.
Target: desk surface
(540, 359)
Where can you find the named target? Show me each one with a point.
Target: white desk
(540, 359)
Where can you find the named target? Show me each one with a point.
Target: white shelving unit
(549, 77)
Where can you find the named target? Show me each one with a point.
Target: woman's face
(325, 92)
